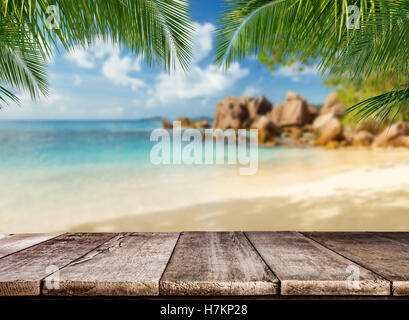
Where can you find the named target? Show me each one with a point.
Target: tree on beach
(30, 30)
(354, 40)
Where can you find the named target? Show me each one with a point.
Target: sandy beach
(88, 187)
(350, 196)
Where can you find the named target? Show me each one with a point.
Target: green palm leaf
(382, 107)
(158, 30)
(22, 63)
(306, 29)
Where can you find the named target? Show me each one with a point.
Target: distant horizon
(107, 119)
(141, 118)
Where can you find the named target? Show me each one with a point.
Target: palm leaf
(22, 63)
(158, 30)
(6, 94)
(382, 107)
(317, 29)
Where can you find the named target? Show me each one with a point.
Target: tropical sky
(106, 82)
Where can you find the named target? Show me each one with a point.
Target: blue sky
(105, 82)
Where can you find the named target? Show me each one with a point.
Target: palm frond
(306, 29)
(382, 107)
(22, 62)
(158, 30)
(7, 94)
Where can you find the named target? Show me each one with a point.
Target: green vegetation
(350, 92)
(369, 56)
(158, 30)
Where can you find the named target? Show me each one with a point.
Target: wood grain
(307, 268)
(16, 242)
(22, 272)
(388, 258)
(131, 264)
(397, 236)
(214, 264)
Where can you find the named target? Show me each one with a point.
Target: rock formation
(293, 112)
(293, 96)
(295, 123)
(240, 112)
(362, 138)
(391, 133)
(402, 141)
(313, 113)
(202, 124)
(332, 105)
(258, 107)
(167, 125)
(267, 130)
(186, 123)
(331, 100)
(327, 127)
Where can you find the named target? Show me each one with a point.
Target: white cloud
(117, 69)
(56, 103)
(293, 72)
(80, 57)
(203, 40)
(202, 81)
(114, 68)
(251, 91)
(54, 97)
(198, 82)
(101, 48)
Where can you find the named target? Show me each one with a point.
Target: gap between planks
(224, 263)
(386, 255)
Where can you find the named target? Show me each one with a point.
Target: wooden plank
(131, 264)
(386, 257)
(16, 242)
(216, 263)
(397, 236)
(22, 272)
(307, 268)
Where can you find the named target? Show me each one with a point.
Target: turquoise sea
(28, 144)
(36, 144)
(54, 173)
(97, 176)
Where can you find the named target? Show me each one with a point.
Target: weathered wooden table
(263, 264)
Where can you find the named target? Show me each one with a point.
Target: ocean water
(56, 174)
(88, 175)
(37, 144)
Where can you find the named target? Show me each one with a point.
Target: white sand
(344, 197)
(299, 190)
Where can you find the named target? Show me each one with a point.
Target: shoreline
(333, 202)
(279, 197)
